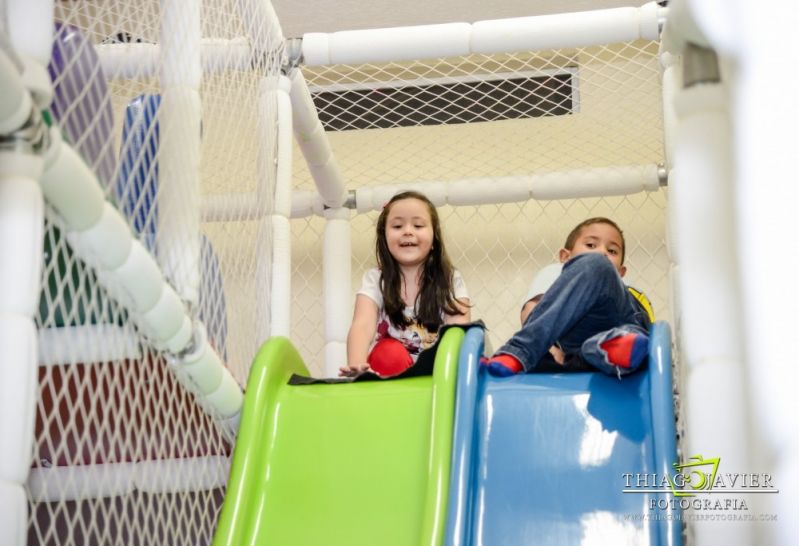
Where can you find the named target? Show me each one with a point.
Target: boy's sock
(626, 351)
(502, 365)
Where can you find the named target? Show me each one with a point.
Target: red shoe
(627, 351)
(502, 365)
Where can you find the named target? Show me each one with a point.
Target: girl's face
(409, 231)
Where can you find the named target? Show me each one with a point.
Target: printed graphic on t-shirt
(415, 338)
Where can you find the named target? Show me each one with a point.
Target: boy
(588, 311)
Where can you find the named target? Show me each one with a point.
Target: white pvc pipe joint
(203, 366)
(167, 317)
(141, 278)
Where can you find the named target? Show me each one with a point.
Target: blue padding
(545, 457)
(137, 183)
(137, 192)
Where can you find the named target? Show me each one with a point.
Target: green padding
(344, 464)
(71, 295)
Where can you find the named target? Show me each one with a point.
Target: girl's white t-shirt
(415, 338)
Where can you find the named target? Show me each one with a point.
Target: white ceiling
(298, 17)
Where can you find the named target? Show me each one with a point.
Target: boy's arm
(360, 337)
(528, 307)
(541, 282)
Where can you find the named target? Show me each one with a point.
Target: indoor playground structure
(188, 202)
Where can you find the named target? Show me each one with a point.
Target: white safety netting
(589, 113)
(123, 454)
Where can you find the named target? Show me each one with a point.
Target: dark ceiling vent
(385, 106)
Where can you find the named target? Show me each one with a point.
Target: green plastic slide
(345, 464)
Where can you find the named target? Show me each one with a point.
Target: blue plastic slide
(545, 458)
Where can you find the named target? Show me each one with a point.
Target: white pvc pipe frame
(572, 184)
(180, 75)
(547, 32)
(485, 37)
(610, 25)
(732, 211)
(102, 237)
(410, 43)
(21, 243)
(706, 282)
(579, 29)
(93, 481)
(382, 45)
(280, 299)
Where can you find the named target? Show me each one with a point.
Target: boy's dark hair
(435, 290)
(575, 233)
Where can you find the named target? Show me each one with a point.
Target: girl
(413, 290)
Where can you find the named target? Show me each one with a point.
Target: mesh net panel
(123, 453)
(506, 115)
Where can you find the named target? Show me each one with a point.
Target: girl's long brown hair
(435, 285)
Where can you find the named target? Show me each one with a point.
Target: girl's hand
(353, 370)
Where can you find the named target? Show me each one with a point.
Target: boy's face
(600, 238)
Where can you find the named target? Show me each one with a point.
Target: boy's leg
(588, 297)
(617, 351)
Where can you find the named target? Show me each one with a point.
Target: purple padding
(81, 103)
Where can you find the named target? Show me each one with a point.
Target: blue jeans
(587, 305)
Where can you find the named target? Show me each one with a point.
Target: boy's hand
(353, 370)
(502, 365)
(557, 354)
